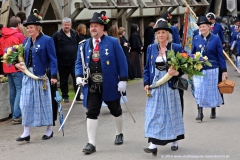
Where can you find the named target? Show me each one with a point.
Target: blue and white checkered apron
(206, 91)
(35, 103)
(163, 112)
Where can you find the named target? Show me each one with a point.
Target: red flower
(104, 17)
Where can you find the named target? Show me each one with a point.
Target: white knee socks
(26, 132)
(175, 143)
(152, 146)
(92, 125)
(119, 124)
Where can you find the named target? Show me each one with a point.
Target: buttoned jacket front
(213, 50)
(152, 53)
(43, 51)
(113, 64)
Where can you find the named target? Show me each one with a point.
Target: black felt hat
(235, 19)
(167, 16)
(33, 19)
(162, 25)
(203, 20)
(100, 18)
(174, 21)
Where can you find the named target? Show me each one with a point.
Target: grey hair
(224, 20)
(66, 20)
(169, 37)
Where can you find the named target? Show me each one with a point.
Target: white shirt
(95, 43)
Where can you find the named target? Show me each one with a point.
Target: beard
(94, 34)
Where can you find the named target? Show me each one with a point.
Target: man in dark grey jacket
(66, 42)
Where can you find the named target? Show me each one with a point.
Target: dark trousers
(64, 72)
(94, 103)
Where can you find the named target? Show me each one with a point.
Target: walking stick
(230, 61)
(127, 107)
(70, 107)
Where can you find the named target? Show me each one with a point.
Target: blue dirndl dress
(163, 121)
(35, 103)
(206, 92)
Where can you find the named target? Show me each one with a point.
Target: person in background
(216, 28)
(126, 48)
(206, 91)
(163, 113)
(82, 32)
(108, 77)
(35, 101)
(233, 32)
(225, 27)
(148, 39)
(66, 43)
(176, 36)
(113, 31)
(12, 36)
(136, 51)
(22, 16)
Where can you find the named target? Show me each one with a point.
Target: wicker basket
(226, 86)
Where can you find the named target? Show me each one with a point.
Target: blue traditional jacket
(212, 48)
(43, 51)
(237, 45)
(149, 70)
(218, 31)
(232, 34)
(175, 35)
(113, 64)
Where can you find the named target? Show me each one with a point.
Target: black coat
(66, 47)
(135, 42)
(148, 39)
(82, 37)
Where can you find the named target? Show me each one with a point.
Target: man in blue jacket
(105, 59)
(216, 28)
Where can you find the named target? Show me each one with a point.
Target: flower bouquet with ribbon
(190, 64)
(15, 54)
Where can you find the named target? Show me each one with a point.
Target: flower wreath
(36, 13)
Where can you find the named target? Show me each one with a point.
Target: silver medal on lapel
(106, 51)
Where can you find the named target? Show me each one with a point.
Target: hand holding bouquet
(15, 54)
(190, 64)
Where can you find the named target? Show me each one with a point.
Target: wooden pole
(230, 61)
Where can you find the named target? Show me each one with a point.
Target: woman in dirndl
(163, 114)
(35, 101)
(206, 91)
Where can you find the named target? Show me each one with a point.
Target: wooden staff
(230, 61)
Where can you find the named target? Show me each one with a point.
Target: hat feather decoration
(36, 13)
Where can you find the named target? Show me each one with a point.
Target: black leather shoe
(89, 149)
(119, 139)
(45, 137)
(174, 148)
(153, 151)
(200, 114)
(27, 139)
(213, 113)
